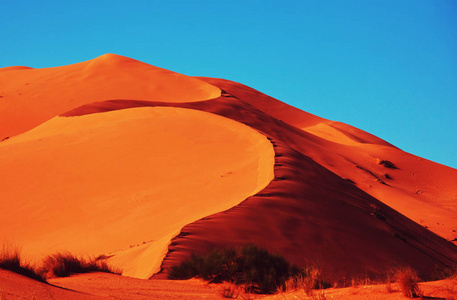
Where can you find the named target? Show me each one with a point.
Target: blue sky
(387, 67)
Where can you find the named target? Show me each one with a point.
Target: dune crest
(14, 68)
(32, 96)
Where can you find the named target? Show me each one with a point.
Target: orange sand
(102, 183)
(14, 286)
(108, 286)
(31, 96)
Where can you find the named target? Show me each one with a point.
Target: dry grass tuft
(10, 259)
(294, 283)
(389, 288)
(313, 280)
(408, 281)
(230, 290)
(64, 264)
(310, 282)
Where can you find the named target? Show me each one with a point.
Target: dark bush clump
(251, 266)
(408, 282)
(65, 264)
(10, 259)
(388, 164)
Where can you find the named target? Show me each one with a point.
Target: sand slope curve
(107, 182)
(28, 97)
(308, 213)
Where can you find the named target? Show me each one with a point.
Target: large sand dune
(116, 157)
(103, 182)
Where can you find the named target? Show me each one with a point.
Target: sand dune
(355, 154)
(113, 156)
(309, 207)
(32, 96)
(104, 182)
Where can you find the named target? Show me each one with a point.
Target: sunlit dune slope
(101, 183)
(29, 97)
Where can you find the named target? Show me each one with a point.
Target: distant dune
(32, 96)
(119, 158)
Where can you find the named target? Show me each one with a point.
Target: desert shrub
(314, 279)
(251, 266)
(307, 280)
(64, 264)
(10, 259)
(217, 266)
(407, 280)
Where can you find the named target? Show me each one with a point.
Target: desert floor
(109, 286)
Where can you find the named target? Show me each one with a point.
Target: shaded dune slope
(409, 183)
(314, 217)
(307, 213)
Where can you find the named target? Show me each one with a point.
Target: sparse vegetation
(387, 176)
(64, 264)
(408, 281)
(388, 164)
(250, 266)
(10, 259)
(308, 280)
(389, 288)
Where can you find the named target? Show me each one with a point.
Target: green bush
(251, 266)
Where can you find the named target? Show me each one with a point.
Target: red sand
(122, 177)
(354, 154)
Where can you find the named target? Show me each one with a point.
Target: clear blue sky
(387, 67)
